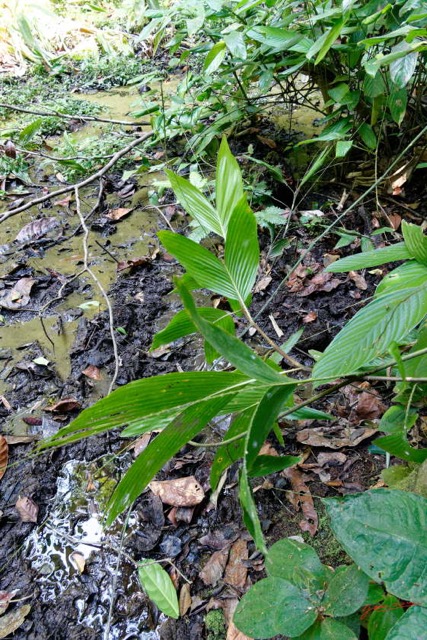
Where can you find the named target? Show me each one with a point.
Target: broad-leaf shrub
(384, 532)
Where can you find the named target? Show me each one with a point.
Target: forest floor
(57, 357)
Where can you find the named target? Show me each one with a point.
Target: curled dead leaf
(64, 406)
(300, 497)
(182, 492)
(184, 599)
(78, 561)
(4, 456)
(117, 214)
(334, 437)
(92, 372)
(36, 229)
(27, 509)
(18, 296)
(236, 572)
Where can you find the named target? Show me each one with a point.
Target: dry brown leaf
(182, 492)
(5, 403)
(310, 317)
(21, 439)
(301, 498)
(334, 437)
(358, 280)
(233, 633)
(64, 406)
(4, 456)
(320, 282)
(117, 214)
(78, 561)
(64, 202)
(268, 142)
(213, 570)
(27, 509)
(262, 284)
(36, 229)
(5, 598)
(18, 296)
(133, 263)
(229, 607)
(184, 599)
(236, 572)
(13, 620)
(141, 443)
(92, 372)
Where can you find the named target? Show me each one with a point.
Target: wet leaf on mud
(132, 263)
(20, 439)
(78, 561)
(184, 599)
(159, 587)
(92, 372)
(18, 296)
(27, 509)
(4, 456)
(64, 406)
(41, 361)
(117, 214)
(36, 229)
(301, 498)
(214, 568)
(13, 620)
(182, 492)
(236, 572)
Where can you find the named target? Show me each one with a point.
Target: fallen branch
(83, 183)
(67, 116)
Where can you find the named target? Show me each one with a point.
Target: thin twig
(83, 183)
(67, 116)
(100, 287)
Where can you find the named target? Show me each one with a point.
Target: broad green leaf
(403, 68)
(234, 350)
(397, 104)
(410, 625)
(415, 241)
(242, 250)
(346, 592)
(195, 203)
(397, 445)
(201, 264)
(274, 606)
(250, 513)
(264, 465)
(328, 629)
(368, 136)
(181, 325)
(235, 42)
(387, 319)
(165, 445)
(371, 258)
(159, 587)
(215, 57)
(275, 38)
(229, 185)
(342, 147)
(263, 420)
(147, 397)
(409, 274)
(384, 618)
(374, 87)
(398, 418)
(227, 454)
(384, 531)
(297, 563)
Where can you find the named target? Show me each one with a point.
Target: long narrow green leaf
(250, 514)
(242, 250)
(187, 425)
(147, 397)
(386, 319)
(409, 274)
(200, 263)
(181, 325)
(195, 203)
(227, 454)
(229, 184)
(369, 259)
(234, 350)
(263, 420)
